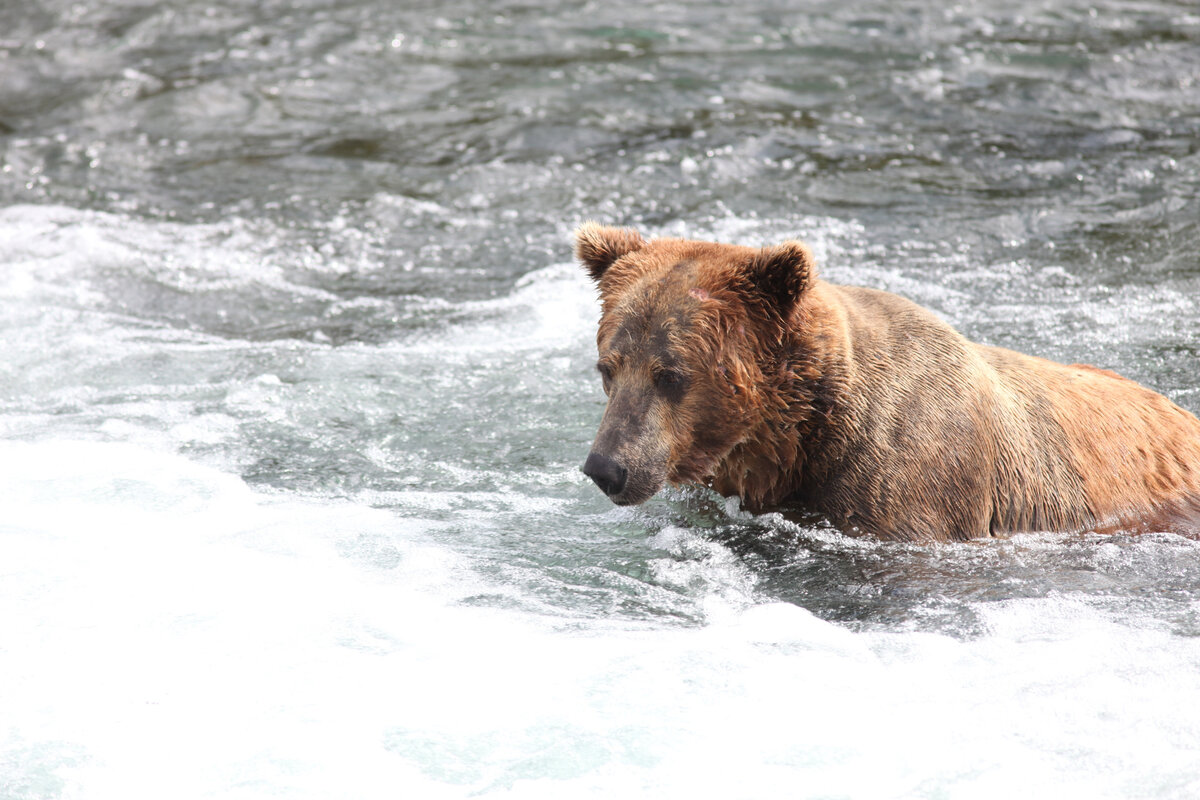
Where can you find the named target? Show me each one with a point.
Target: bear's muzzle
(607, 473)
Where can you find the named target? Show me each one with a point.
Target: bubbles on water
(700, 567)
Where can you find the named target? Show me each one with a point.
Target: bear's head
(696, 342)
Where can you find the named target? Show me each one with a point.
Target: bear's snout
(608, 474)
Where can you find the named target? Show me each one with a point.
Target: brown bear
(737, 368)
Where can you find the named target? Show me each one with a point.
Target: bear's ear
(597, 246)
(779, 275)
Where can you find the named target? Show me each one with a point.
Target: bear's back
(977, 440)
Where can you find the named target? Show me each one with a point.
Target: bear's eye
(606, 374)
(670, 383)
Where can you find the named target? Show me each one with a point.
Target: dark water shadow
(943, 587)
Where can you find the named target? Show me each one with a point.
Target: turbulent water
(296, 376)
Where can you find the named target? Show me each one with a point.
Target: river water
(296, 375)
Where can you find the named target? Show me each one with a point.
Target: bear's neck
(804, 425)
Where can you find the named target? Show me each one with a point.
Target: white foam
(54, 252)
(185, 635)
(549, 309)
(179, 635)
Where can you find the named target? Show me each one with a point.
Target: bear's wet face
(680, 372)
(647, 382)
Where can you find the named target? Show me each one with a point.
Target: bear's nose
(608, 474)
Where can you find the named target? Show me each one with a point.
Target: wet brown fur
(861, 405)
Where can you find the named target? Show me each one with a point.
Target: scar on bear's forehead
(683, 274)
